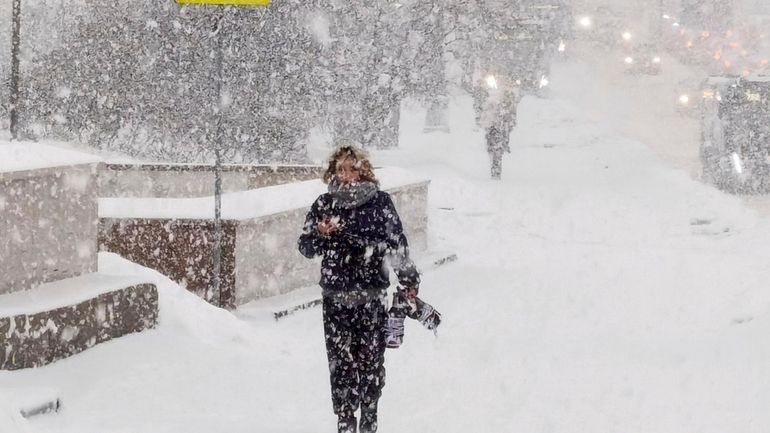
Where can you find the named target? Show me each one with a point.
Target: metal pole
(659, 20)
(15, 75)
(219, 108)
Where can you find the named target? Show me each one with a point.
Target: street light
(15, 72)
(492, 82)
(737, 163)
(226, 301)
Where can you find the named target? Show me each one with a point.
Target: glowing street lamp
(492, 82)
(737, 163)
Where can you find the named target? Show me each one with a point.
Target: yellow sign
(225, 2)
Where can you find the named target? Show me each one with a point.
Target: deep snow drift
(599, 289)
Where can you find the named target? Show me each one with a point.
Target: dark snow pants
(355, 347)
(498, 139)
(496, 163)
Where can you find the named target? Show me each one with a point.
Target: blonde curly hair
(359, 156)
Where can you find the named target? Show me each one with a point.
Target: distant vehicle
(688, 97)
(716, 15)
(600, 28)
(735, 145)
(534, 74)
(642, 59)
(522, 54)
(557, 15)
(692, 96)
(744, 50)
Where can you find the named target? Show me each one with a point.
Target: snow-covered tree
(142, 78)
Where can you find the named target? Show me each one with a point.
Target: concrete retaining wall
(37, 339)
(48, 218)
(190, 180)
(259, 257)
(267, 261)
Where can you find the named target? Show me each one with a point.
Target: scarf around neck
(352, 195)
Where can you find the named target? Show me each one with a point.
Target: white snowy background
(589, 296)
(600, 286)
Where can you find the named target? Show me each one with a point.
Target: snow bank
(70, 291)
(239, 205)
(11, 420)
(589, 296)
(22, 156)
(202, 370)
(181, 312)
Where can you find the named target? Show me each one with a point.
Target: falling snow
(584, 186)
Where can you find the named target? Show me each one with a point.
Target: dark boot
(346, 424)
(368, 420)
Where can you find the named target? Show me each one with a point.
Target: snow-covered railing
(261, 227)
(194, 180)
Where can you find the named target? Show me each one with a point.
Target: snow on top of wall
(70, 291)
(181, 312)
(22, 156)
(241, 205)
(759, 78)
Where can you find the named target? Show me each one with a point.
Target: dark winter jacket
(354, 256)
(500, 120)
(498, 139)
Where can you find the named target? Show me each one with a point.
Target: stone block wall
(267, 261)
(189, 180)
(177, 248)
(34, 340)
(49, 222)
(411, 202)
(259, 257)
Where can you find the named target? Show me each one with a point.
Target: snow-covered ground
(600, 288)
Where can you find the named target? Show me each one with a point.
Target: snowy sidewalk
(598, 290)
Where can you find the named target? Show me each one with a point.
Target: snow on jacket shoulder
(354, 256)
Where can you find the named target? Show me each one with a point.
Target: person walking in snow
(498, 119)
(356, 229)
